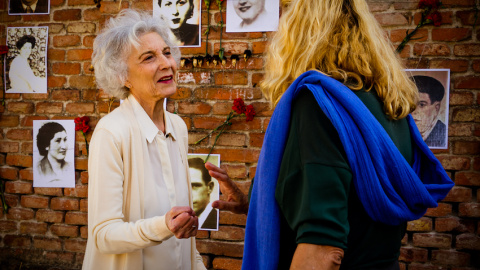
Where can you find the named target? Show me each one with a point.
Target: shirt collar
(147, 125)
(32, 6)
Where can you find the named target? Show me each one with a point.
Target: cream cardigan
(119, 163)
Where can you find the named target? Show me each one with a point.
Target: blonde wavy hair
(341, 39)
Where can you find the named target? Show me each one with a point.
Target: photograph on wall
(26, 61)
(184, 19)
(431, 114)
(53, 153)
(205, 190)
(28, 7)
(252, 15)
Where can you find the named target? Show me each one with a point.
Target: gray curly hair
(113, 45)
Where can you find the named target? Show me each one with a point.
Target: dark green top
(317, 197)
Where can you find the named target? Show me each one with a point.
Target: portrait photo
(252, 15)
(431, 114)
(53, 153)
(28, 7)
(26, 61)
(184, 19)
(205, 190)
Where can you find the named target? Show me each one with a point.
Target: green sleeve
(314, 181)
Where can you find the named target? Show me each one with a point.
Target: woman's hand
(237, 202)
(182, 222)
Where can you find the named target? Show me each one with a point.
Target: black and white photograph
(204, 190)
(184, 19)
(431, 114)
(26, 61)
(53, 153)
(28, 7)
(252, 15)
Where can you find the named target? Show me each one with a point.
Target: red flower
(433, 4)
(250, 113)
(3, 49)
(238, 106)
(436, 18)
(81, 124)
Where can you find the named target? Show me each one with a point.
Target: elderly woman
(22, 78)
(139, 213)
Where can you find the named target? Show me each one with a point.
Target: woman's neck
(57, 165)
(154, 110)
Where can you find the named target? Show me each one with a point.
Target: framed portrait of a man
(205, 190)
(28, 7)
(26, 61)
(431, 114)
(53, 153)
(252, 15)
(184, 19)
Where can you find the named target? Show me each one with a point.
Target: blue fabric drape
(390, 190)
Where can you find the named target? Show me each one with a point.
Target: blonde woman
(343, 167)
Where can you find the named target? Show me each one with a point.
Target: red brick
(461, 98)
(33, 228)
(82, 82)
(49, 107)
(466, 115)
(17, 241)
(466, 49)
(467, 178)
(432, 240)
(227, 93)
(81, 3)
(235, 171)
(391, 19)
(396, 5)
(227, 78)
(18, 187)
(8, 120)
(231, 249)
(459, 194)
(84, 177)
(113, 7)
(8, 226)
(79, 54)
(229, 218)
(454, 224)
(442, 210)
(458, 3)
(19, 160)
(76, 218)
(230, 139)
(66, 68)
(228, 233)
(80, 108)
(468, 241)
(59, 257)
(34, 202)
(257, 78)
(227, 263)
(78, 191)
(467, 17)
(88, 41)
(19, 134)
(222, 108)
(64, 204)
(423, 224)
(84, 205)
(9, 173)
(64, 230)
(231, 47)
(93, 14)
(451, 34)
(48, 191)
(398, 35)
(20, 107)
(20, 214)
(66, 41)
(47, 243)
(9, 147)
(412, 254)
(49, 216)
(454, 65)
(67, 15)
(81, 164)
(469, 210)
(56, 54)
(194, 108)
(84, 232)
(75, 245)
(431, 49)
(56, 81)
(450, 257)
(66, 95)
(194, 77)
(81, 27)
(467, 82)
(454, 163)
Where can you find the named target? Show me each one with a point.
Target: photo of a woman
(52, 167)
(182, 18)
(25, 74)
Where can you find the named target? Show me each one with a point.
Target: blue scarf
(390, 190)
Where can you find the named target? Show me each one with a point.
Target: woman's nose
(164, 63)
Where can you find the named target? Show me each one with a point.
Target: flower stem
(207, 32)
(86, 142)
(216, 139)
(226, 122)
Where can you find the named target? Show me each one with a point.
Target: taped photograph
(26, 61)
(252, 15)
(431, 114)
(205, 190)
(184, 19)
(53, 153)
(28, 7)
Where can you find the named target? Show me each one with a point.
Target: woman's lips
(166, 79)
(244, 9)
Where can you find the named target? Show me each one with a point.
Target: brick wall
(46, 227)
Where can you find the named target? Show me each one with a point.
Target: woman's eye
(148, 58)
